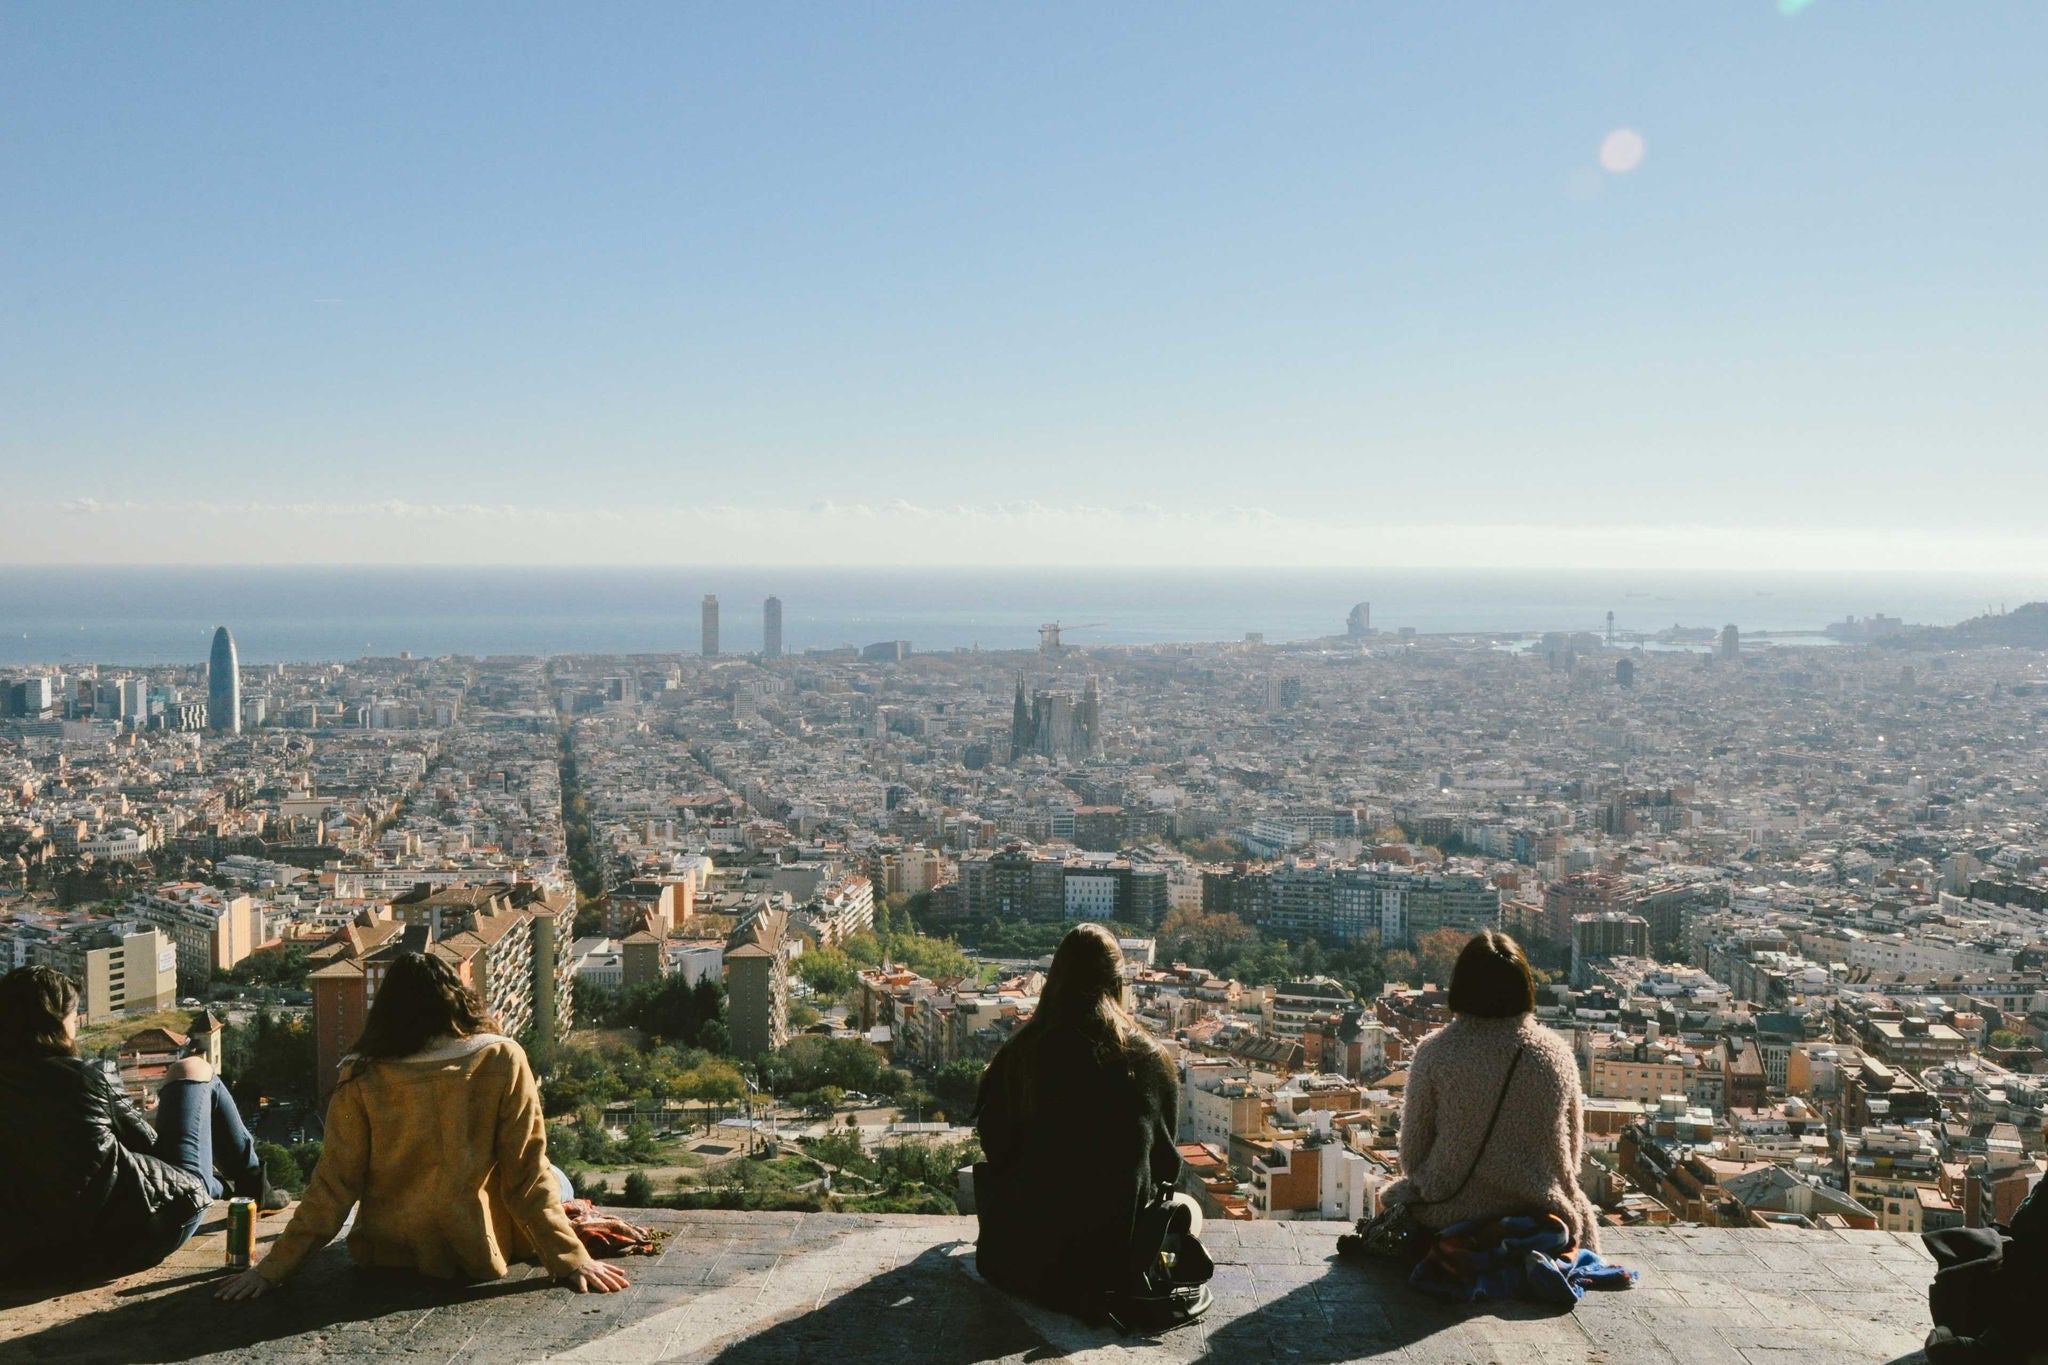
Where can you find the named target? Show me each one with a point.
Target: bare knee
(190, 1069)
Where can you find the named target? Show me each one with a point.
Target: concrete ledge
(850, 1289)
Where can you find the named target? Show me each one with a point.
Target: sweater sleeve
(527, 1179)
(1576, 1139)
(992, 1114)
(1165, 1106)
(337, 1184)
(1418, 1122)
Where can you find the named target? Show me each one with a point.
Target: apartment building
(757, 984)
(509, 942)
(1895, 1171)
(118, 967)
(1296, 1003)
(1637, 1071)
(213, 930)
(1315, 1178)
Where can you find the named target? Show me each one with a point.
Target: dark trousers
(198, 1129)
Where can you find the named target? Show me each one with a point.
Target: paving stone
(901, 1290)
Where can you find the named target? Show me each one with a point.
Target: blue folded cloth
(1513, 1258)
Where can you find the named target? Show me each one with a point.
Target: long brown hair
(1084, 992)
(34, 1002)
(421, 998)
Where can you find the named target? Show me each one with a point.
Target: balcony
(850, 1289)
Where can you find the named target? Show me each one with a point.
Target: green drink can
(241, 1233)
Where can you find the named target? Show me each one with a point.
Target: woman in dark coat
(1076, 1115)
(85, 1183)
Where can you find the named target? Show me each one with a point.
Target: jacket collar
(448, 1047)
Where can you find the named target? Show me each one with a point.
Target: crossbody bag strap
(1498, 1101)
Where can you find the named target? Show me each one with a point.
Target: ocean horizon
(146, 616)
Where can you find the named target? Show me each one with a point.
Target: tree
(638, 1191)
(713, 1083)
(827, 971)
(811, 1061)
(927, 956)
(820, 1102)
(1437, 953)
(1025, 938)
(957, 1085)
(640, 1140)
(283, 965)
(1212, 934)
(307, 1155)
(843, 1150)
(599, 1005)
(591, 1139)
(282, 1169)
(272, 1058)
(675, 1011)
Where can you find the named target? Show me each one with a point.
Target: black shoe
(256, 1185)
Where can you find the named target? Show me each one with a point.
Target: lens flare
(1621, 151)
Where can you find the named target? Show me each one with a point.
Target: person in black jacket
(1989, 1284)
(85, 1182)
(1076, 1115)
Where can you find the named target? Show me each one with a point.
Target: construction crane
(1049, 636)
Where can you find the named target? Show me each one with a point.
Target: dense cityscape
(760, 919)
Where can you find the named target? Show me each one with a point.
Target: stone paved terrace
(848, 1289)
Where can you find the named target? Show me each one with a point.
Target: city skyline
(1445, 560)
(143, 615)
(1744, 286)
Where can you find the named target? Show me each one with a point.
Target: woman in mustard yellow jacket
(435, 1136)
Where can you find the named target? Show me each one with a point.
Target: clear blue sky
(859, 283)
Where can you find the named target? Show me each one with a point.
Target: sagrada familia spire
(1055, 725)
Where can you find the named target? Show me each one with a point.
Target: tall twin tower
(771, 627)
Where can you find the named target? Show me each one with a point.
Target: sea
(152, 616)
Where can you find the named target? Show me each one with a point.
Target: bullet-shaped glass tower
(223, 685)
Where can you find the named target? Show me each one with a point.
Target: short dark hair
(34, 1002)
(1492, 979)
(420, 998)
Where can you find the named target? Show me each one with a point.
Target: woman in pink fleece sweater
(1530, 1164)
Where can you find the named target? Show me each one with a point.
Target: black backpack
(1167, 1280)
(1987, 1288)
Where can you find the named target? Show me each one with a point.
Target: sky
(1753, 284)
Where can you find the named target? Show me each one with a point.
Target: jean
(562, 1182)
(198, 1128)
(154, 1247)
